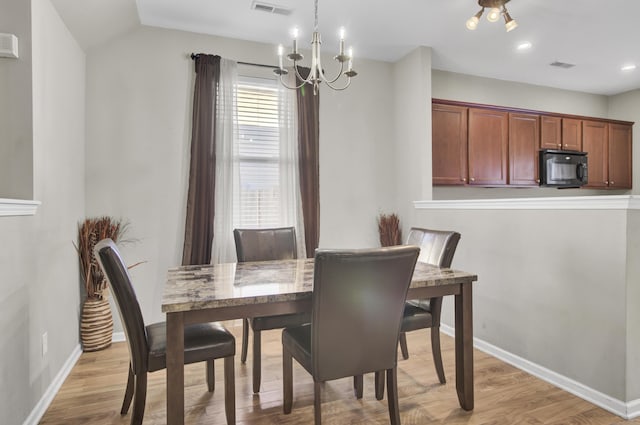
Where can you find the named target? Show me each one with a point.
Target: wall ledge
(606, 202)
(12, 207)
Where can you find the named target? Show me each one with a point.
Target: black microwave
(563, 169)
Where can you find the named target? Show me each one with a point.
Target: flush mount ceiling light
(316, 73)
(496, 8)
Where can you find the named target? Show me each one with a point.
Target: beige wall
(16, 131)
(39, 279)
(139, 95)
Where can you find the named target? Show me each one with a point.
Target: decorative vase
(96, 325)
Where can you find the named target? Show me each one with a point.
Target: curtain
(227, 174)
(309, 152)
(199, 232)
(290, 195)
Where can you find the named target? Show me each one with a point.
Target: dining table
(209, 293)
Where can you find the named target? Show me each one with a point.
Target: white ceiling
(599, 37)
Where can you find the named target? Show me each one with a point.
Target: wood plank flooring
(92, 394)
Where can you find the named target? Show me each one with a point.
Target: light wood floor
(92, 394)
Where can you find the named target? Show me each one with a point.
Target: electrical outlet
(45, 343)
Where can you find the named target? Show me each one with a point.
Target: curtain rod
(261, 65)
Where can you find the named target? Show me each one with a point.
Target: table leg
(175, 368)
(464, 346)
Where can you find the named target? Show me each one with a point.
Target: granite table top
(237, 284)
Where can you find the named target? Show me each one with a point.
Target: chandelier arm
(289, 87)
(339, 88)
(304, 80)
(340, 74)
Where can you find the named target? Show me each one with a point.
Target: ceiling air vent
(563, 65)
(270, 8)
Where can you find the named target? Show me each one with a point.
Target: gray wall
(16, 130)
(139, 95)
(38, 265)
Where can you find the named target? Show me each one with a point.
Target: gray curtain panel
(198, 234)
(309, 152)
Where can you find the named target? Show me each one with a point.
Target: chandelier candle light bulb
(496, 8)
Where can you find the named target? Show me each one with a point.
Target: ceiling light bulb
(524, 45)
(511, 25)
(472, 23)
(493, 15)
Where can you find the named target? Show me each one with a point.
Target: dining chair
(437, 247)
(147, 344)
(357, 304)
(264, 245)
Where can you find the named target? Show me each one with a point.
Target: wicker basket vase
(96, 325)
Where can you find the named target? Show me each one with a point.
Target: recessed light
(524, 45)
(630, 67)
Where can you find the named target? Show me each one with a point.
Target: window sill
(14, 207)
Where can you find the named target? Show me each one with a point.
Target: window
(257, 200)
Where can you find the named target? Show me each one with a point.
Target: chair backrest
(358, 301)
(116, 273)
(436, 246)
(265, 244)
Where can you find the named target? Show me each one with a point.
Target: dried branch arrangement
(389, 229)
(90, 232)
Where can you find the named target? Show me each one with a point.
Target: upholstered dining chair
(264, 245)
(357, 306)
(437, 247)
(147, 344)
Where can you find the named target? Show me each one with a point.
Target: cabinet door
(488, 144)
(594, 143)
(571, 134)
(550, 132)
(449, 144)
(620, 137)
(524, 144)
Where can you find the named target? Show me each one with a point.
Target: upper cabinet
(488, 144)
(571, 134)
(483, 145)
(524, 145)
(550, 132)
(449, 144)
(620, 137)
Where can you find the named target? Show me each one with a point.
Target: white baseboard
(118, 337)
(39, 410)
(628, 410)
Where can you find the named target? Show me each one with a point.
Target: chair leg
(229, 390)
(392, 396)
(437, 354)
(287, 381)
(379, 385)
(403, 345)
(357, 386)
(257, 364)
(317, 403)
(211, 376)
(128, 393)
(139, 398)
(245, 340)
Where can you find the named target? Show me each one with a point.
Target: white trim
(118, 337)
(606, 202)
(11, 207)
(628, 410)
(40, 409)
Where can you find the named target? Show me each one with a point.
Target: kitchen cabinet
(620, 137)
(524, 145)
(572, 134)
(449, 145)
(550, 132)
(488, 146)
(595, 137)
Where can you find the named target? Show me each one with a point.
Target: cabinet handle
(607, 183)
(559, 145)
(464, 179)
(537, 180)
(472, 179)
(611, 183)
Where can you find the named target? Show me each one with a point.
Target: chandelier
(316, 73)
(497, 8)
